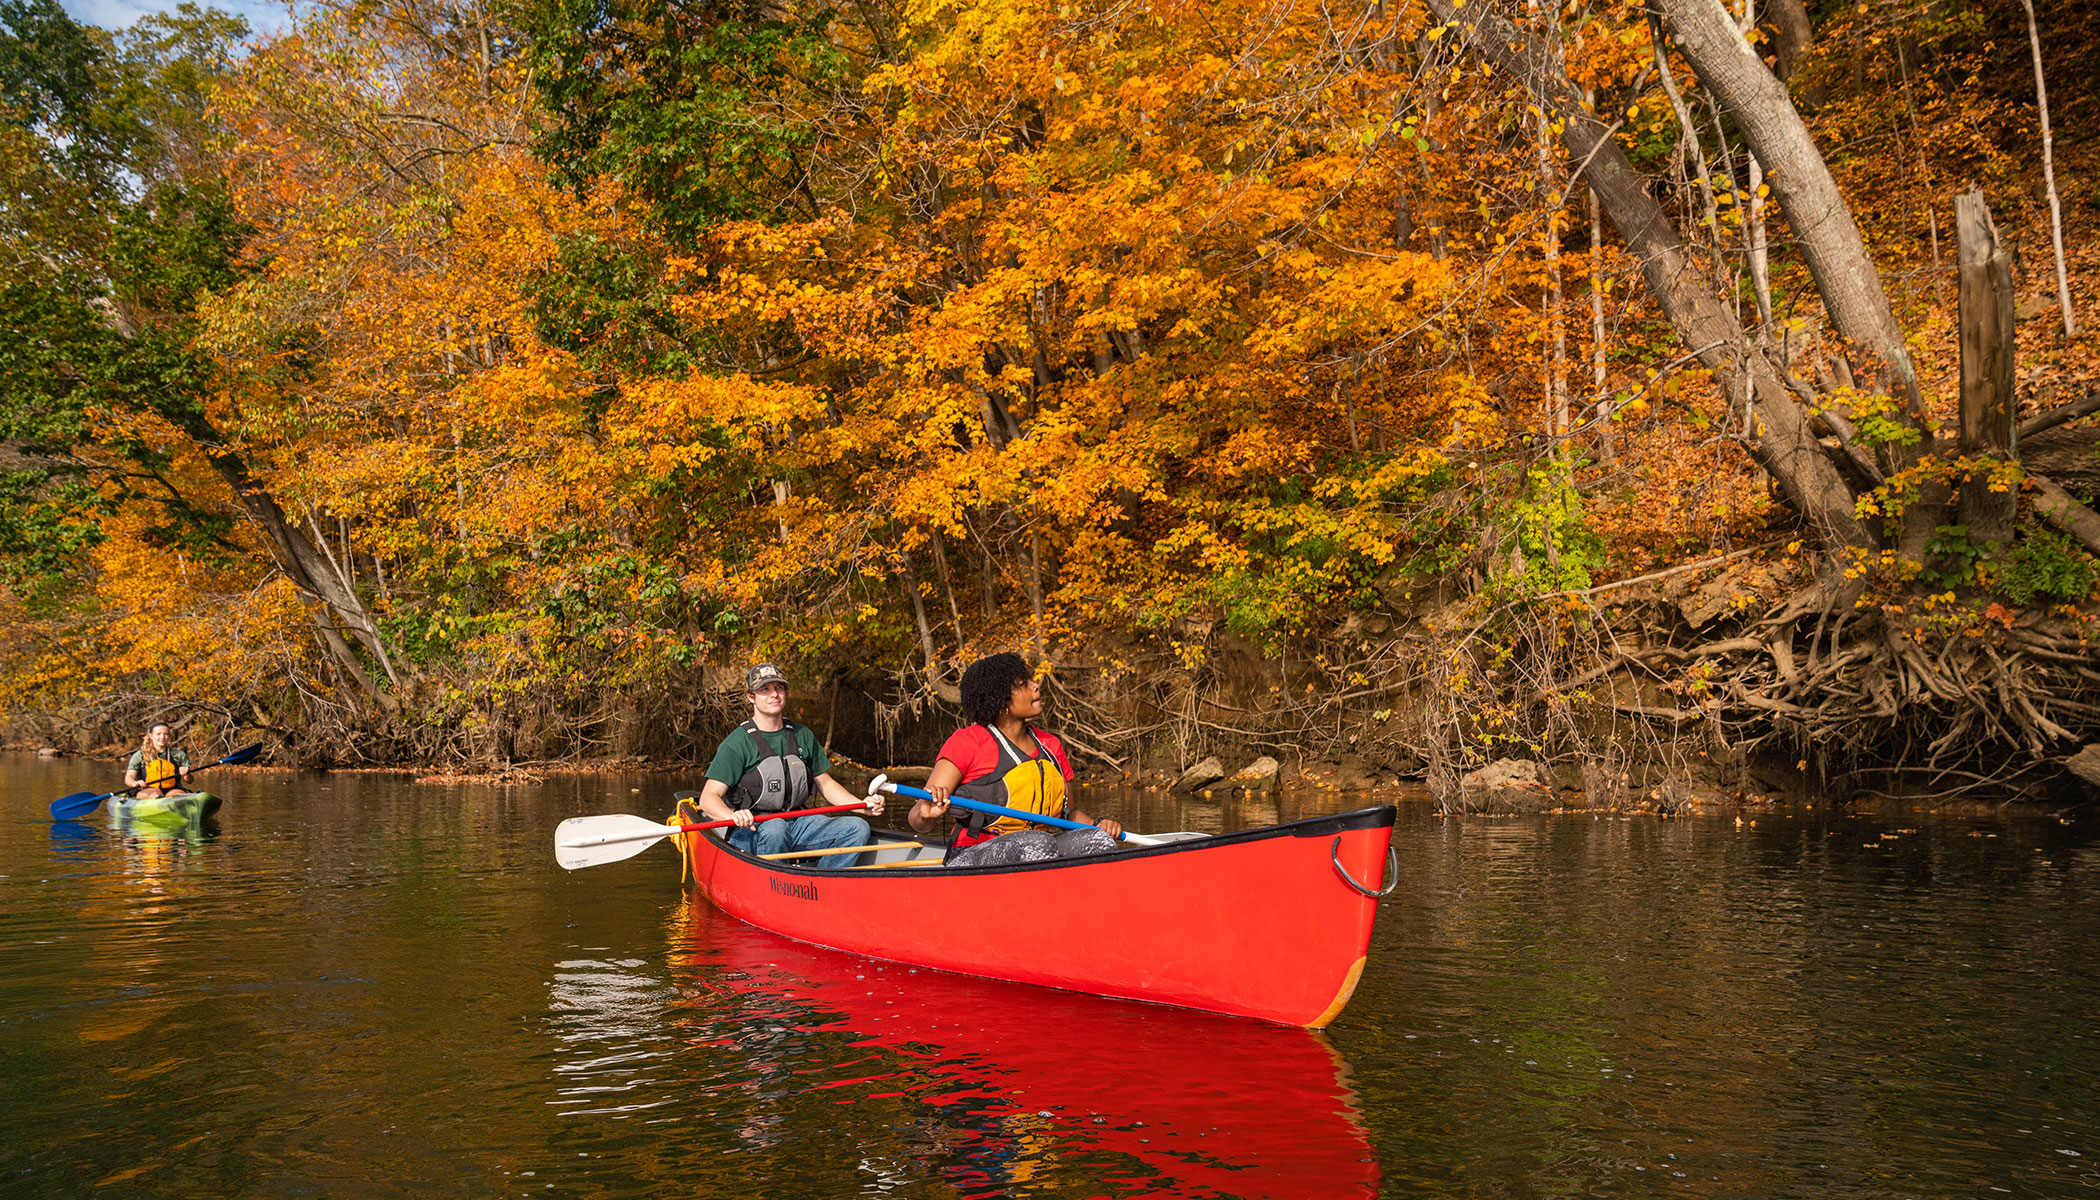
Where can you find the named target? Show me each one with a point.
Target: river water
(359, 986)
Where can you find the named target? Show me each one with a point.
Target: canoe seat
(906, 852)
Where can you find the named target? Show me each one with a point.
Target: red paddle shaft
(793, 812)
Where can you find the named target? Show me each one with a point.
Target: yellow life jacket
(1032, 784)
(160, 773)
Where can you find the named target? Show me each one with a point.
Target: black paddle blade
(244, 754)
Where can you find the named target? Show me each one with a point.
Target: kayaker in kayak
(157, 768)
(769, 764)
(1001, 759)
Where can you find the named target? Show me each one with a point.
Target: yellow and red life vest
(1031, 783)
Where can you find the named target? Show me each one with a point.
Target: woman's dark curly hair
(988, 686)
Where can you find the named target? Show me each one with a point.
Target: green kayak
(187, 808)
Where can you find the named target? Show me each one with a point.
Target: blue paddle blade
(244, 754)
(79, 804)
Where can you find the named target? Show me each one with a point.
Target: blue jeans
(804, 833)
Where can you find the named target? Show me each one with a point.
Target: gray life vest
(781, 780)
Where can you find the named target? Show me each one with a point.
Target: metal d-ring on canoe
(1255, 924)
(1392, 871)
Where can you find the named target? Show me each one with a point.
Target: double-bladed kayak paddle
(80, 804)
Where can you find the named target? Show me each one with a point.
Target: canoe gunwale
(1375, 817)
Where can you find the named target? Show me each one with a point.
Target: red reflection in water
(1205, 1105)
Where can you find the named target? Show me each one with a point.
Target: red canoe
(1271, 923)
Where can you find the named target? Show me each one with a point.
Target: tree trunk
(918, 612)
(1820, 219)
(302, 564)
(1432, 100)
(934, 683)
(1780, 441)
(2060, 416)
(1556, 333)
(1754, 250)
(2061, 509)
(1599, 374)
(1035, 588)
(1792, 35)
(344, 575)
(940, 564)
(1822, 225)
(2056, 206)
(1987, 399)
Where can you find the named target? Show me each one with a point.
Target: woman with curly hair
(1001, 759)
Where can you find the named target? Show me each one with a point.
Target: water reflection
(611, 1015)
(1008, 1086)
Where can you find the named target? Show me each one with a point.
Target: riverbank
(1641, 707)
(1661, 695)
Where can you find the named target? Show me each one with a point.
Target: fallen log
(2061, 509)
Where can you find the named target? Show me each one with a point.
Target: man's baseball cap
(763, 674)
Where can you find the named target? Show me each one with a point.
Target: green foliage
(1880, 419)
(96, 297)
(52, 82)
(1257, 604)
(1952, 557)
(2045, 565)
(51, 343)
(610, 307)
(1558, 547)
(179, 243)
(106, 111)
(48, 520)
(1650, 137)
(674, 98)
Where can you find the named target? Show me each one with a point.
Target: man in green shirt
(770, 764)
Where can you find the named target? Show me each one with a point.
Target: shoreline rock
(1201, 775)
(1507, 785)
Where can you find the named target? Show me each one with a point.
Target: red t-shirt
(975, 752)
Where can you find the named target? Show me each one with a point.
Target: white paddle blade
(590, 841)
(1161, 839)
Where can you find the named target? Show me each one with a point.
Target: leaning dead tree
(1851, 671)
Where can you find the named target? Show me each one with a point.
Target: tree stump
(1987, 400)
